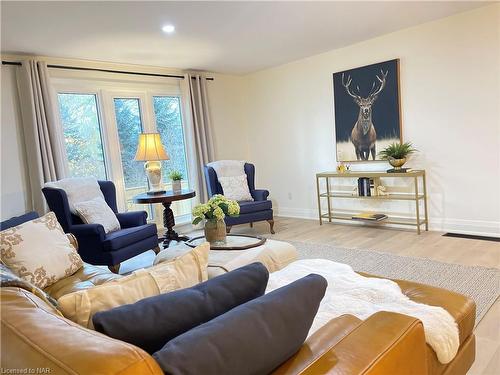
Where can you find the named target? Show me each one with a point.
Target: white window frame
(106, 87)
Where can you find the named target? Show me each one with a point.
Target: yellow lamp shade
(150, 148)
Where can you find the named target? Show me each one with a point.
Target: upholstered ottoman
(273, 254)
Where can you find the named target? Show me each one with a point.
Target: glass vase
(215, 231)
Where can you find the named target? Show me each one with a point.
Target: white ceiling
(227, 37)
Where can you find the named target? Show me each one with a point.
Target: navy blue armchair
(259, 209)
(97, 247)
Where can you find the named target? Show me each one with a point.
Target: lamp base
(153, 171)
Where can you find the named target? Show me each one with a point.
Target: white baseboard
(474, 227)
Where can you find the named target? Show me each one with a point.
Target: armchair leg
(157, 249)
(228, 229)
(251, 225)
(115, 268)
(271, 226)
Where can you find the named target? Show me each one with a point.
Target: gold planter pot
(397, 163)
(215, 231)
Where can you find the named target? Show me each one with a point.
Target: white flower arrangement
(216, 208)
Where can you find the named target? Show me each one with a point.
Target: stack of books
(369, 216)
(364, 186)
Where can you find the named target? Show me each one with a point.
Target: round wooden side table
(166, 200)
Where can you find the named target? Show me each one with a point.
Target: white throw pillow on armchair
(97, 211)
(236, 188)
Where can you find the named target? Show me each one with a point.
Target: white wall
(227, 107)
(450, 87)
(14, 186)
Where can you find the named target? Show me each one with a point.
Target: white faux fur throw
(228, 168)
(351, 293)
(78, 189)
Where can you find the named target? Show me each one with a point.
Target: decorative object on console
(39, 251)
(150, 150)
(214, 212)
(396, 154)
(176, 178)
(367, 110)
(369, 216)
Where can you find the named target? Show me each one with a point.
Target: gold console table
(376, 176)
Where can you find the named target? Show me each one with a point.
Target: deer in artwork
(363, 135)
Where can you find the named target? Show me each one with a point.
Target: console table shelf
(416, 196)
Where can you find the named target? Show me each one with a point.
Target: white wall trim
(474, 227)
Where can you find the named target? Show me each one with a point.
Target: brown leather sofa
(35, 336)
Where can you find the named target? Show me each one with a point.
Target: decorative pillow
(153, 321)
(236, 188)
(97, 211)
(39, 251)
(77, 189)
(182, 272)
(253, 338)
(10, 279)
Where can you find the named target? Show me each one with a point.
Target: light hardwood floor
(406, 242)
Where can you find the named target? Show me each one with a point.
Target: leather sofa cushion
(128, 236)
(254, 206)
(86, 277)
(152, 322)
(36, 337)
(460, 307)
(253, 338)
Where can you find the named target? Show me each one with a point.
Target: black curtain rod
(18, 63)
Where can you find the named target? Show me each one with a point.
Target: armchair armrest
(132, 219)
(385, 343)
(89, 237)
(260, 194)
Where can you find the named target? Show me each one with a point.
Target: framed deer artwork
(367, 110)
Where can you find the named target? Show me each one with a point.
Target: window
(129, 126)
(82, 135)
(169, 125)
(167, 110)
(103, 115)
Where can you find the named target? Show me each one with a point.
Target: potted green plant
(214, 212)
(176, 178)
(397, 153)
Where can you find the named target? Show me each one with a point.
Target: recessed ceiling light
(169, 29)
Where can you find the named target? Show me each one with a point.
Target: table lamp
(152, 152)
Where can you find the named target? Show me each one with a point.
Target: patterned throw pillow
(97, 211)
(38, 251)
(10, 279)
(236, 188)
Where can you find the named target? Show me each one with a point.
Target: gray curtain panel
(202, 128)
(42, 134)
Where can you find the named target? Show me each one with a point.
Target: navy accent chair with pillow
(259, 209)
(94, 245)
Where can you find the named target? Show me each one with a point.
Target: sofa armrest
(90, 238)
(132, 219)
(385, 343)
(36, 336)
(260, 194)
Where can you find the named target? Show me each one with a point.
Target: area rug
(479, 283)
